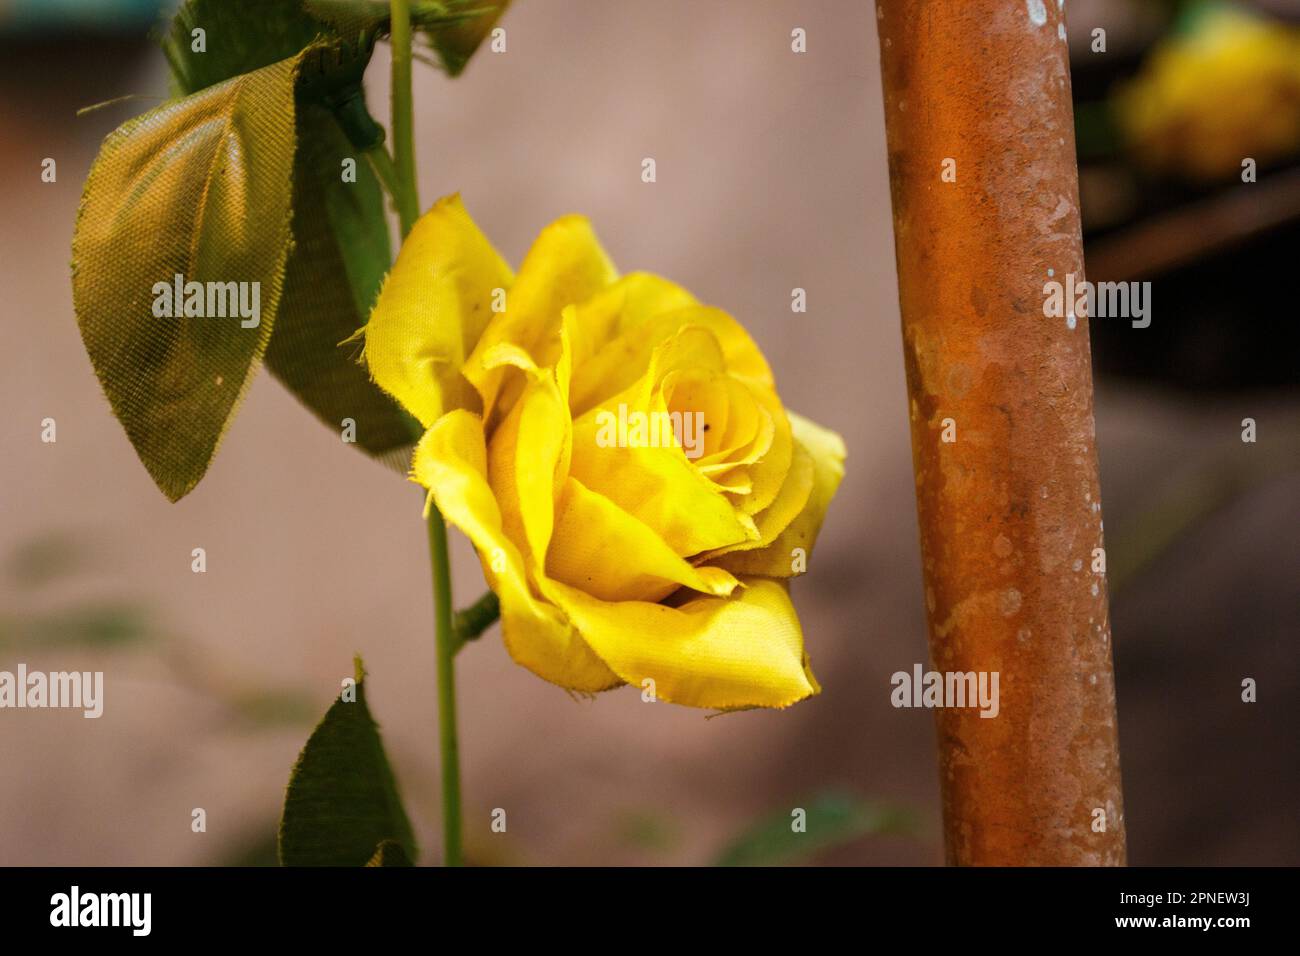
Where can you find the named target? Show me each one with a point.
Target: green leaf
(389, 853)
(342, 801)
(249, 34)
(831, 819)
(239, 36)
(341, 241)
(453, 28)
(198, 188)
(456, 42)
(339, 259)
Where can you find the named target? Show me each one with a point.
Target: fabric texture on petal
(431, 311)
(724, 653)
(775, 518)
(619, 456)
(624, 304)
(601, 549)
(826, 450)
(566, 265)
(451, 461)
(624, 359)
(528, 457)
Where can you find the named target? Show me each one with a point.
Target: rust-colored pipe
(1000, 398)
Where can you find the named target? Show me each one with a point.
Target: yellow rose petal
(777, 516)
(750, 431)
(601, 549)
(528, 459)
(742, 651)
(431, 310)
(624, 305)
(625, 359)
(768, 473)
(566, 265)
(649, 475)
(657, 485)
(451, 461)
(700, 395)
(826, 449)
(732, 480)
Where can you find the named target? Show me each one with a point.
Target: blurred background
(771, 175)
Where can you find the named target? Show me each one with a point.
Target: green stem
(407, 197)
(446, 647)
(408, 201)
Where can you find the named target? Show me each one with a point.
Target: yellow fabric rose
(1208, 98)
(619, 553)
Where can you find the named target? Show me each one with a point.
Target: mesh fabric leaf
(341, 243)
(200, 188)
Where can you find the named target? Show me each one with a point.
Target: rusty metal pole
(986, 212)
